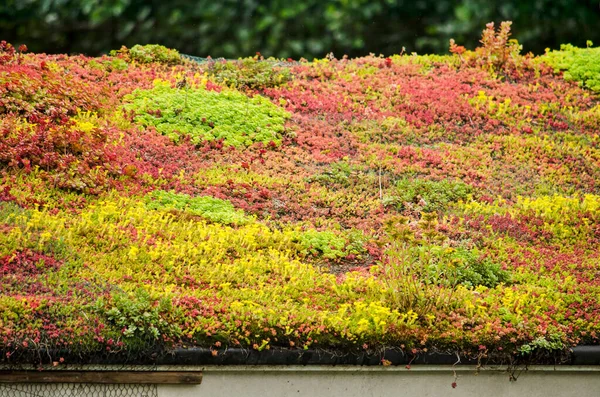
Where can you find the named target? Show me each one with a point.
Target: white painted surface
(346, 381)
(380, 381)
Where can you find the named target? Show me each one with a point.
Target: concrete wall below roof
(346, 381)
(385, 381)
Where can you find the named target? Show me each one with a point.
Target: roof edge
(576, 356)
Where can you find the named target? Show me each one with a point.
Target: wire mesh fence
(77, 390)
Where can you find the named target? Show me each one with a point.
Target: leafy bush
(496, 53)
(255, 73)
(207, 115)
(148, 54)
(579, 64)
(211, 208)
(428, 196)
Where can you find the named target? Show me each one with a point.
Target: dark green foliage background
(288, 28)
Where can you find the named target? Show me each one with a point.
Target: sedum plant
(149, 53)
(426, 195)
(211, 208)
(578, 64)
(202, 115)
(252, 72)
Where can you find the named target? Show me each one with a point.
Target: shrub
(10, 54)
(207, 115)
(497, 52)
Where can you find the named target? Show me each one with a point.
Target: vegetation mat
(421, 203)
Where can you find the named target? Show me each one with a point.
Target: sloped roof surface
(424, 203)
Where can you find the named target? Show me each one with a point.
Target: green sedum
(428, 196)
(149, 53)
(211, 208)
(204, 115)
(579, 64)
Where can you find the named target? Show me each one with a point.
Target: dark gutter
(202, 356)
(586, 355)
(581, 355)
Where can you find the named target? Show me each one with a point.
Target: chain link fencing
(77, 390)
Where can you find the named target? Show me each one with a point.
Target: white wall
(346, 381)
(381, 381)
